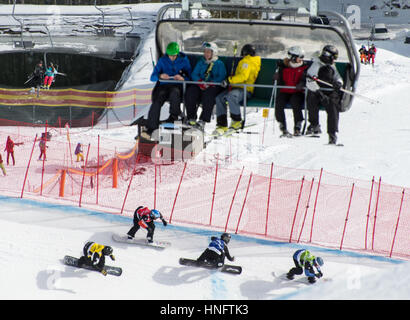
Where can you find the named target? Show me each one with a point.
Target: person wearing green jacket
(305, 261)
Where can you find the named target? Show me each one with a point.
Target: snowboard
(303, 280)
(73, 262)
(225, 268)
(141, 242)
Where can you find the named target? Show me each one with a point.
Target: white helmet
(212, 46)
(296, 51)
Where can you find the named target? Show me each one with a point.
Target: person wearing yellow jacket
(94, 255)
(246, 73)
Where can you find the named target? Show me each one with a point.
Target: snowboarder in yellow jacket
(246, 73)
(94, 256)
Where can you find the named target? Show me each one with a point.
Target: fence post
(233, 198)
(347, 217)
(115, 173)
(268, 202)
(28, 166)
(375, 211)
(243, 205)
(368, 214)
(296, 210)
(44, 159)
(82, 182)
(213, 193)
(314, 207)
(176, 195)
(307, 208)
(397, 224)
(98, 167)
(129, 186)
(155, 185)
(62, 183)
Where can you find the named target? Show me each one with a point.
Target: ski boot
(219, 130)
(332, 138)
(290, 276)
(297, 130)
(235, 125)
(314, 129)
(285, 132)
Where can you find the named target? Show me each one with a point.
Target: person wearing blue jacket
(217, 251)
(209, 68)
(174, 65)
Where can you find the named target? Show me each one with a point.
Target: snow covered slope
(34, 237)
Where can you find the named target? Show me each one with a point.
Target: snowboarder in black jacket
(217, 251)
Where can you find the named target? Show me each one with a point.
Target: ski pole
(152, 59)
(347, 91)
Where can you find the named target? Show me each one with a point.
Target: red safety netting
(273, 202)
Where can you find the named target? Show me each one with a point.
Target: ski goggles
(206, 45)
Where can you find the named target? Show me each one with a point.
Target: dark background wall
(80, 69)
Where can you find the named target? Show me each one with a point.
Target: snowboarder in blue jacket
(217, 251)
(174, 65)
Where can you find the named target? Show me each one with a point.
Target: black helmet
(329, 54)
(248, 49)
(107, 251)
(226, 237)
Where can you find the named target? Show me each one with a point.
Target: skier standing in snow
(94, 256)
(324, 69)
(144, 217)
(305, 261)
(10, 150)
(174, 65)
(217, 251)
(292, 73)
(246, 72)
(371, 53)
(363, 54)
(208, 69)
(42, 145)
(79, 152)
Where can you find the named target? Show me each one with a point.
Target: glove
(225, 83)
(337, 86)
(104, 272)
(319, 274)
(311, 279)
(276, 77)
(164, 222)
(112, 257)
(312, 85)
(300, 86)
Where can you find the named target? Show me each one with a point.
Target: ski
(141, 242)
(73, 262)
(286, 135)
(231, 132)
(227, 268)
